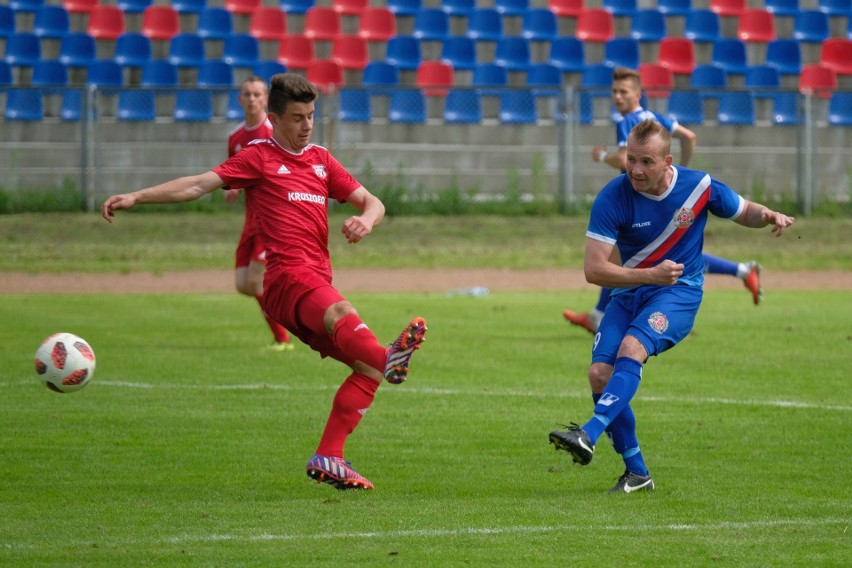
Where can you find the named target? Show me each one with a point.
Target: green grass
(188, 447)
(160, 242)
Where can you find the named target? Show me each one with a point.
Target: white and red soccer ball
(65, 362)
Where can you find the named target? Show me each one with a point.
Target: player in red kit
(251, 254)
(288, 182)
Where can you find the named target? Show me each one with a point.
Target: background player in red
(251, 254)
(288, 182)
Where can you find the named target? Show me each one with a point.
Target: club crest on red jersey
(320, 171)
(684, 217)
(658, 322)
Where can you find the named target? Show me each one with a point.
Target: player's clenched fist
(124, 201)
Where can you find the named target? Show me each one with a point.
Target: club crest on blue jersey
(320, 171)
(658, 322)
(684, 217)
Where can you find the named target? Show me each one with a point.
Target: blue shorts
(659, 317)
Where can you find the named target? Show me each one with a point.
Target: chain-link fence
(486, 142)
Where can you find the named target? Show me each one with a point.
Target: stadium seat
(133, 6)
(325, 74)
(404, 7)
(621, 52)
(24, 105)
(568, 53)
(242, 7)
(105, 73)
(709, 76)
(349, 7)
(703, 26)
(241, 50)
(354, 105)
(782, 8)
(322, 23)
(49, 73)
(431, 24)
(756, 26)
(23, 49)
(26, 5)
(458, 7)
(77, 49)
(235, 110)
(407, 106)
(460, 52)
(657, 80)
(811, 26)
(490, 75)
(296, 51)
(597, 84)
(785, 55)
(106, 22)
(566, 8)
(160, 23)
(736, 108)
(265, 69)
(485, 24)
(132, 50)
(380, 74)
(377, 24)
(539, 24)
(648, 25)
(404, 52)
(51, 21)
(837, 55)
(7, 21)
(785, 110)
(840, 109)
(545, 79)
(512, 7)
(215, 23)
(189, 6)
(464, 106)
(215, 73)
(193, 105)
(818, 80)
(832, 8)
(350, 52)
(764, 79)
(595, 25)
(268, 24)
(678, 54)
(730, 54)
(5, 73)
(159, 73)
(434, 78)
(687, 107)
(72, 105)
(674, 7)
(186, 50)
(517, 106)
(513, 53)
(79, 6)
(732, 8)
(620, 8)
(296, 6)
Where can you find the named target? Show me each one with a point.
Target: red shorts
(298, 301)
(250, 248)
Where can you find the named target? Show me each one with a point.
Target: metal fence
(486, 142)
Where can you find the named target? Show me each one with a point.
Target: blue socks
(716, 265)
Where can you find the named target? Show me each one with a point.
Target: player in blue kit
(654, 216)
(626, 96)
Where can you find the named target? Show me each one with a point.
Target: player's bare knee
(599, 375)
(336, 312)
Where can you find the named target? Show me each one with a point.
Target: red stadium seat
(244, 7)
(678, 54)
(595, 24)
(657, 80)
(349, 7)
(350, 52)
(756, 26)
(106, 22)
(818, 80)
(322, 23)
(435, 78)
(160, 22)
(837, 55)
(79, 6)
(268, 23)
(325, 74)
(377, 24)
(296, 51)
(566, 8)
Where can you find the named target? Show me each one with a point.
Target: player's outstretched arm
(600, 270)
(174, 191)
(758, 216)
(372, 211)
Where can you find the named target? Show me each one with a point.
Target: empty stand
(648, 25)
(322, 23)
(50, 73)
(354, 105)
(678, 54)
(785, 55)
(160, 23)
(756, 26)
(818, 80)
(349, 7)
(105, 73)
(595, 25)
(687, 107)
(840, 109)
(732, 8)
(24, 105)
(268, 24)
(621, 52)
(136, 106)
(431, 24)
(186, 50)
(377, 24)
(404, 7)
(380, 74)
(463, 106)
(350, 52)
(485, 24)
(7, 21)
(736, 108)
(23, 49)
(568, 53)
(657, 80)
(77, 49)
(513, 53)
(134, 6)
(296, 51)
(407, 106)
(243, 7)
(435, 78)
(518, 106)
(545, 79)
(106, 22)
(193, 105)
(241, 50)
(539, 24)
(566, 8)
(460, 52)
(51, 21)
(811, 26)
(265, 69)
(785, 111)
(79, 6)
(132, 50)
(296, 6)
(215, 73)
(404, 52)
(325, 74)
(514, 8)
(215, 23)
(837, 55)
(730, 54)
(703, 26)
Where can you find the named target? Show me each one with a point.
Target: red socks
(351, 402)
(355, 339)
(278, 330)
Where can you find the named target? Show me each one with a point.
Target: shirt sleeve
(340, 182)
(244, 169)
(606, 214)
(724, 201)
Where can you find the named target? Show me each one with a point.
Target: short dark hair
(647, 129)
(289, 88)
(627, 74)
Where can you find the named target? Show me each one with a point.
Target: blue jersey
(649, 229)
(631, 119)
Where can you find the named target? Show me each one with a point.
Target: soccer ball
(65, 362)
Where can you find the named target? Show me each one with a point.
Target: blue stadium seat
(404, 52)
(785, 55)
(620, 8)
(7, 20)
(235, 111)
(132, 50)
(764, 79)
(674, 7)
(517, 106)
(23, 49)
(568, 53)
(296, 6)
(485, 24)
(621, 52)
(404, 7)
(840, 109)
(407, 106)
(72, 105)
(159, 73)
(597, 83)
(134, 6)
(539, 24)
(545, 79)
(458, 7)
(736, 108)
(105, 73)
(513, 53)
(193, 105)
(786, 108)
(648, 25)
(431, 24)
(77, 49)
(189, 6)
(811, 26)
(460, 52)
(730, 54)
(186, 50)
(711, 79)
(380, 74)
(215, 73)
(136, 105)
(215, 23)
(463, 106)
(839, 8)
(782, 8)
(26, 5)
(490, 75)
(512, 7)
(241, 50)
(687, 107)
(51, 21)
(49, 73)
(265, 69)
(354, 105)
(703, 25)
(5, 73)
(24, 105)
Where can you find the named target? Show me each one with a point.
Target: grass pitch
(189, 445)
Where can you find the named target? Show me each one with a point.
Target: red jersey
(241, 136)
(288, 194)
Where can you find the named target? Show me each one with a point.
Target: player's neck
(252, 120)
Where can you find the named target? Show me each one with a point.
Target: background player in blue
(655, 217)
(626, 96)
